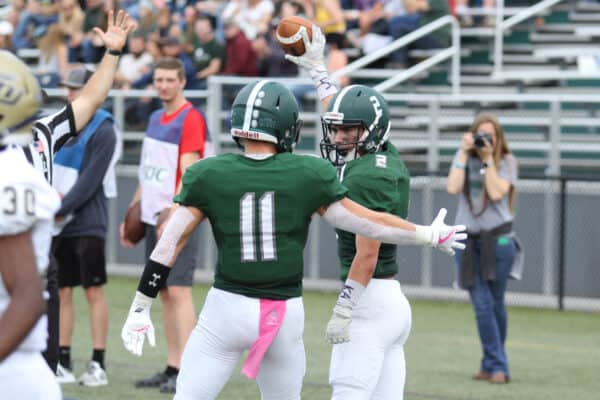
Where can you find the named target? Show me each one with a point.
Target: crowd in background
(215, 36)
(210, 37)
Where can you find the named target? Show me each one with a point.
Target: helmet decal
(378, 112)
(255, 99)
(266, 111)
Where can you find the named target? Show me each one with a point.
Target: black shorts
(81, 261)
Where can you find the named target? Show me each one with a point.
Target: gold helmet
(20, 96)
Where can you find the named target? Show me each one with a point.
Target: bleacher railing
(503, 25)
(451, 52)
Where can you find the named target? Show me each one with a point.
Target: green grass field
(553, 355)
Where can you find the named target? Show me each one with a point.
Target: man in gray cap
(85, 178)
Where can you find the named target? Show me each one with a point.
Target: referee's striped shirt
(49, 135)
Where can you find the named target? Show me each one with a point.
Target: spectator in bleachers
(70, 19)
(186, 27)
(85, 46)
(328, 15)
(252, 16)
(362, 13)
(135, 63)
(153, 48)
(147, 18)
(460, 8)
(419, 13)
(208, 53)
(34, 21)
(484, 174)
(6, 32)
(12, 11)
(172, 47)
(240, 57)
(164, 23)
(53, 61)
(271, 58)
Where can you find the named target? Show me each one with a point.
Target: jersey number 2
(266, 221)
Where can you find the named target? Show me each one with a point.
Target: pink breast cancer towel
(272, 313)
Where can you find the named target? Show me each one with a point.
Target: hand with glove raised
(313, 60)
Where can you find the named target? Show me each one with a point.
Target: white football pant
(24, 375)
(227, 326)
(371, 365)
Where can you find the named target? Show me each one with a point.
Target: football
(289, 37)
(134, 228)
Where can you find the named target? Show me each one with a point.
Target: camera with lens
(480, 140)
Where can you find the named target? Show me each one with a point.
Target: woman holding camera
(483, 175)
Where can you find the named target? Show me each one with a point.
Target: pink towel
(271, 318)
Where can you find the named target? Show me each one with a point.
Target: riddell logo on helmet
(246, 134)
(9, 94)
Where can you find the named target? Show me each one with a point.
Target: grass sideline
(554, 355)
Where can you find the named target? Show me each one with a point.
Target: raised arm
(313, 61)
(96, 89)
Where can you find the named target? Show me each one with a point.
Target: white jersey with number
(27, 203)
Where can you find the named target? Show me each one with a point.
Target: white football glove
(338, 327)
(313, 59)
(442, 236)
(138, 325)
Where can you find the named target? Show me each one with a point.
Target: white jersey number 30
(18, 201)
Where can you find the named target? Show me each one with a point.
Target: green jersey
(260, 211)
(379, 181)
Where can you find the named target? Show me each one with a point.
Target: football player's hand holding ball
(313, 59)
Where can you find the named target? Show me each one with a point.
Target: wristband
(153, 278)
(114, 52)
(325, 87)
(458, 165)
(351, 293)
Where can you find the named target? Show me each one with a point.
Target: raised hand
(313, 58)
(117, 30)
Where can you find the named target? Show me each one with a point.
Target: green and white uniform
(371, 365)
(260, 211)
(379, 181)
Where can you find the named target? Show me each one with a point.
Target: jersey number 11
(266, 222)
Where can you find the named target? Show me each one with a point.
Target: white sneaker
(94, 375)
(64, 374)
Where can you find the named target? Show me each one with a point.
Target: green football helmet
(266, 111)
(355, 106)
(20, 97)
